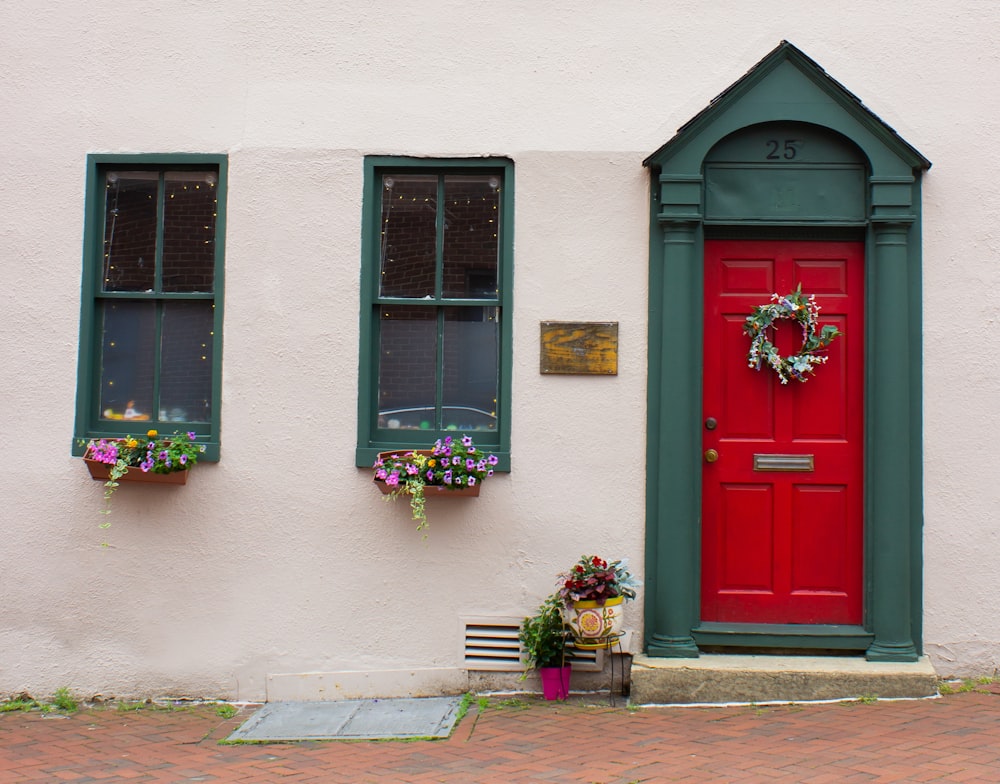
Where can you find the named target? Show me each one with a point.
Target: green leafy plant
(150, 455)
(23, 702)
(592, 579)
(449, 463)
(64, 700)
(544, 636)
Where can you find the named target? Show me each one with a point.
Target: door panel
(782, 546)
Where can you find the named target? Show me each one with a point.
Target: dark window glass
(189, 212)
(130, 231)
(128, 353)
(155, 307)
(471, 231)
(471, 368)
(408, 237)
(407, 380)
(438, 361)
(186, 362)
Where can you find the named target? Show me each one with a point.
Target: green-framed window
(151, 313)
(436, 282)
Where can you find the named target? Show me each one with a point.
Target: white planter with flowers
(594, 593)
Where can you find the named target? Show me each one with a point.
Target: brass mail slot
(783, 463)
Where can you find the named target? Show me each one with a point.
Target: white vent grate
(492, 644)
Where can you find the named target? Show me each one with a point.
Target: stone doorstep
(721, 678)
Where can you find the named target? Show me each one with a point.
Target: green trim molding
(739, 167)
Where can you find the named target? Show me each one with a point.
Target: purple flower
(411, 469)
(493, 460)
(466, 441)
(184, 459)
(392, 480)
(191, 435)
(447, 477)
(470, 464)
(430, 475)
(472, 481)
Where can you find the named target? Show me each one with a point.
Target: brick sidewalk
(952, 739)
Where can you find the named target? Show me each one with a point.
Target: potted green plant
(450, 467)
(592, 593)
(543, 637)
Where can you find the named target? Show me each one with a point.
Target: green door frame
(787, 87)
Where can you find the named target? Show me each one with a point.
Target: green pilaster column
(889, 445)
(673, 529)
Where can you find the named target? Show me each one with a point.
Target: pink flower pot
(555, 682)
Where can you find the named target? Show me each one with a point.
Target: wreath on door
(796, 307)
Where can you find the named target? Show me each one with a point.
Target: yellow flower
(132, 443)
(431, 463)
(151, 434)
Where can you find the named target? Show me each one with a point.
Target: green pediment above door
(787, 86)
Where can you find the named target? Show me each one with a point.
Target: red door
(782, 526)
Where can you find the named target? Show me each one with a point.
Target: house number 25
(785, 148)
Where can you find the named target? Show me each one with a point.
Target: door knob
(711, 455)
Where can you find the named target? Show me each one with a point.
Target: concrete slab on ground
(723, 678)
(427, 717)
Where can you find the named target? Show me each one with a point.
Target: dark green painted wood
(889, 453)
(786, 90)
(677, 533)
(791, 172)
(814, 637)
(369, 443)
(751, 192)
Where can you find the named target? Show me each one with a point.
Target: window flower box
(451, 468)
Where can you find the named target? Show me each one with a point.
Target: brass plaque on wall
(583, 347)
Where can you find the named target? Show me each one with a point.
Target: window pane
(130, 230)
(408, 243)
(127, 355)
(189, 208)
(406, 370)
(472, 215)
(186, 362)
(471, 368)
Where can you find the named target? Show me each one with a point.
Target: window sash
(445, 313)
(190, 170)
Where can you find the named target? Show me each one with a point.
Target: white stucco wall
(282, 558)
